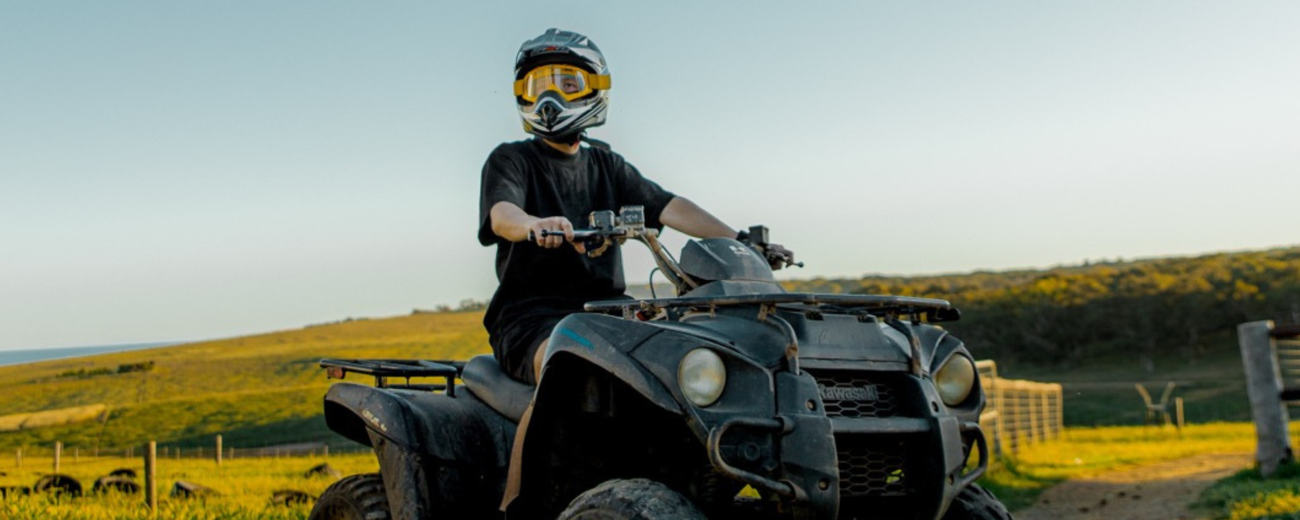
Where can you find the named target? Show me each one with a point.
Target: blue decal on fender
(576, 337)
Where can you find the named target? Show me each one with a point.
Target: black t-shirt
(546, 182)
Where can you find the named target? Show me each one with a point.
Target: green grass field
(255, 391)
(1089, 451)
(1246, 496)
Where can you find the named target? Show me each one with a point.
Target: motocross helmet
(561, 85)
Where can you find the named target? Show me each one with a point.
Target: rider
(550, 182)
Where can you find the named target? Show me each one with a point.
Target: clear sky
(190, 170)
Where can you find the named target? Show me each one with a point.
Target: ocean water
(14, 357)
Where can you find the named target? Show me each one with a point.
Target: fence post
(1046, 414)
(1178, 413)
(18, 457)
(151, 478)
(218, 451)
(58, 454)
(1033, 419)
(1060, 410)
(1264, 386)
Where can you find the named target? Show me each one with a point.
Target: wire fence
(73, 455)
(1019, 413)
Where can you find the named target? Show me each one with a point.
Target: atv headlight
(955, 380)
(702, 376)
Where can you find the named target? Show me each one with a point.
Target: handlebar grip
(578, 234)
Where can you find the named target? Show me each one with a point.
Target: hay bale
(113, 483)
(58, 484)
(324, 470)
(123, 472)
(287, 497)
(183, 489)
(14, 491)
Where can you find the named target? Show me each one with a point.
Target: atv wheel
(358, 497)
(976, 503)
(636, 499)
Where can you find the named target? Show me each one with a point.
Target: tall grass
(244, 488)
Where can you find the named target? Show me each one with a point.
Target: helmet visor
(570, 82)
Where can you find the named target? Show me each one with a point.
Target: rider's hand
(554, 224)
(778, 256)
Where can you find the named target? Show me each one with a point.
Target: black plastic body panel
(441, 453)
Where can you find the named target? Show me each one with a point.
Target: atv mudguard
(606, 343)
(436, 452)
(583, 348)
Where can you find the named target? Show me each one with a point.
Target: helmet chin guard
(550, 114)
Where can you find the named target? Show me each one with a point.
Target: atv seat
(483, 377)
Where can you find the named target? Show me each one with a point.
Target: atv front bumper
(820, 466)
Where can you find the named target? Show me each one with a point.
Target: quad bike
(734, 399)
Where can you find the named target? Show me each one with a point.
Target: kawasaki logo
(852, 393)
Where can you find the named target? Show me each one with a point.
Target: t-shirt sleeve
(636, 190)
(503, 181)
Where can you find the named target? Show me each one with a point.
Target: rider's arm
(514, 224)
(510, 221)
(685, 216)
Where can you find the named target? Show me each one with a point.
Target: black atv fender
(606, 342)
(436, 452)
(557, 460)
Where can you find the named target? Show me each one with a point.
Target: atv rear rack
(934, 310)
(382, 369)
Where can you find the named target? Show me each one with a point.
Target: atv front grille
(871, 469)
(854, 394)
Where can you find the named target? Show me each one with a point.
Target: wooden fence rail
(1018, 413)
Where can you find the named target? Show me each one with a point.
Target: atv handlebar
(606, 228)
(579, 235)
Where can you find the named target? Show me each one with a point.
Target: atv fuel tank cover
(714, 259)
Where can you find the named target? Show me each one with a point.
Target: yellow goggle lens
(570, 82)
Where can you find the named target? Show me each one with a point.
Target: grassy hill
(255, 390)
(1098, 329)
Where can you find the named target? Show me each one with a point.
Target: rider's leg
(537, 359)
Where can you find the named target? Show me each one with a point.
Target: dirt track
(1159, 491)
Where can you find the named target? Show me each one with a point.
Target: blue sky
(186, 170)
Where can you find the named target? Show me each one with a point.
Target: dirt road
(1159, 491)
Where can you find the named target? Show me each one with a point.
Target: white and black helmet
(561, 85)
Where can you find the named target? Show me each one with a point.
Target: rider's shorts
(516, 342)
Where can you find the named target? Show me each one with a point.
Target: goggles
(570, 82)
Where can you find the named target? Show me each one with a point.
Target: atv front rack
(934, 310)
(382, 369)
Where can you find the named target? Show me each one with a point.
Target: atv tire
(976, 503)
(358, 497)
(636, 499)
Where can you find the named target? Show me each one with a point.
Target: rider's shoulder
(514, 147)
(603, 154)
